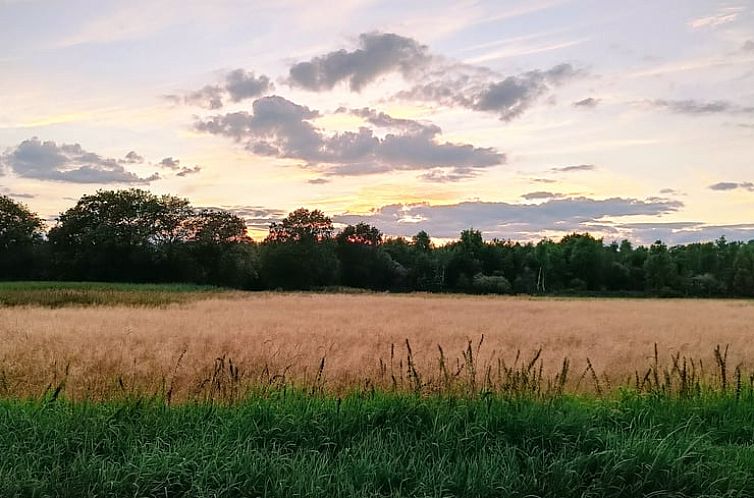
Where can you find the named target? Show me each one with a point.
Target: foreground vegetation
(288, 443)
(320, 395)
(135, 236)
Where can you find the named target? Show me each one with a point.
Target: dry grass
(268, 338)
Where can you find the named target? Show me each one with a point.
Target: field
(385, 341)
(164, 391)
(56, 294)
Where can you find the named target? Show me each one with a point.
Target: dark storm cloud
(506, 220)
(236, 86)
(280, 128)
(377, 54)
(724, 186)
(589, 102)
(68, 163)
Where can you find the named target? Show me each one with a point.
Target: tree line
(136, 236)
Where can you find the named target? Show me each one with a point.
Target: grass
(369, 395)
(289, 443)
(272, 336)
(59, 294)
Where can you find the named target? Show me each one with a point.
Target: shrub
(491, 284)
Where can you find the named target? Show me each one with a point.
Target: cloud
(237, 85)
(508, 97)
(748, 46)
(242, 85)
(175, 165)
(169, 163)
(671, 191)
(589, 102)
(378, 54)
(133, 158)
(256, 217)
(506, 220)
(382, 120)
(186, 171)
(695, 107)
(209, 96)
(441, 81)
(17, 195)
(724, 16)
(281, 128)
(531, 196)
(686, 232)
(574, 169)
(724, 186)
(318, 181)
(68, 163)
(440, 175)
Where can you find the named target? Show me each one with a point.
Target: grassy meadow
(190, 391)
(58, 294)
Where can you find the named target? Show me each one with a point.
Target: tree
(21, 233)
(659, 268)
(422, 242)
(215, 226)
(221, 250)
(358, 249)
(465, 261)
(743, 271)
(302, 225)
(117, 235)
(584, 256)
(489, 284)
(298, 253)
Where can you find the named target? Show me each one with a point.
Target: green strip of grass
(291, 444)
(58, 294)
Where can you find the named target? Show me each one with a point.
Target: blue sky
(521, 118)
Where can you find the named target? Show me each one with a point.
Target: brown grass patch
(188, 349)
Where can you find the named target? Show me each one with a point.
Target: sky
(523, 119)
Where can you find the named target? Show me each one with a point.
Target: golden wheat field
(341, 341)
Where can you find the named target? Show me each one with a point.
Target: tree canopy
(21, 233)
(134, 235)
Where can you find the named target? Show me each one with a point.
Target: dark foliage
(135, 236)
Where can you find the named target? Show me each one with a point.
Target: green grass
(58, 294)
(291, 444)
